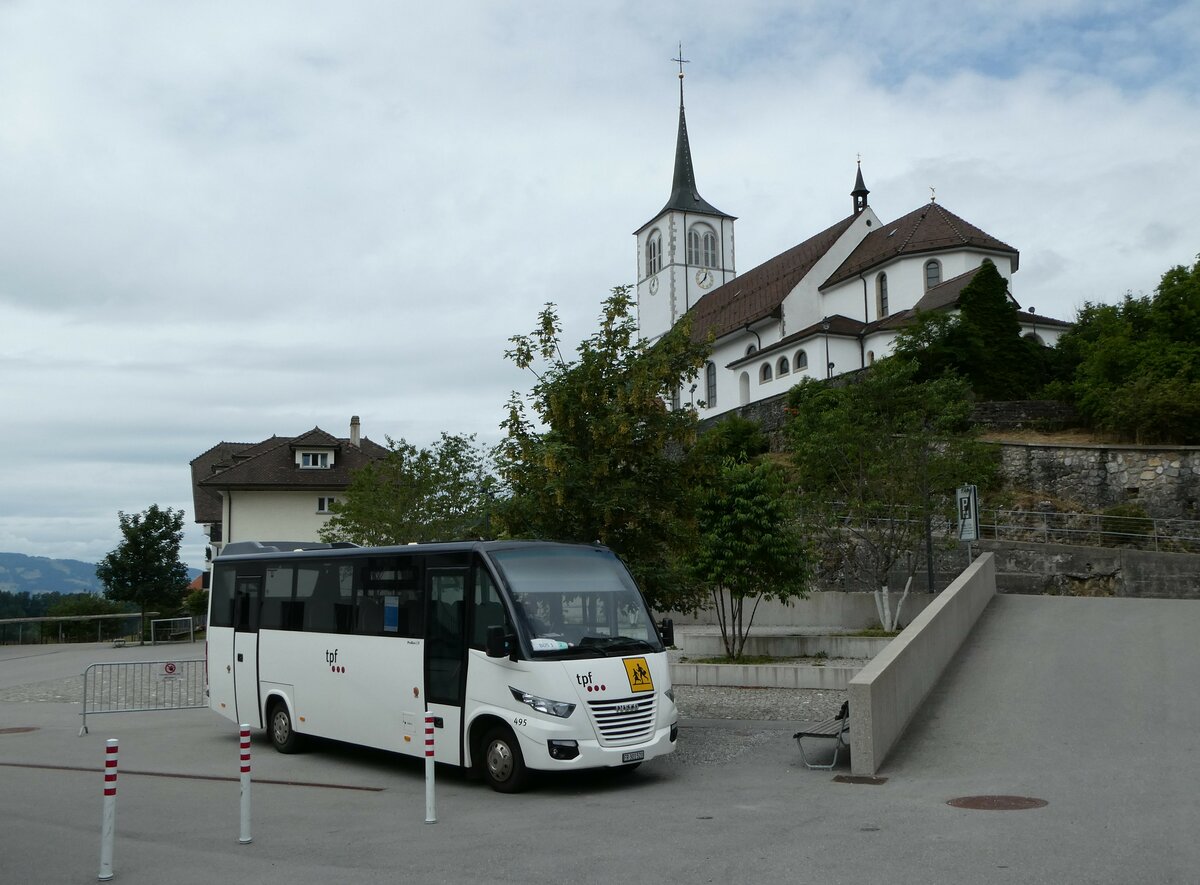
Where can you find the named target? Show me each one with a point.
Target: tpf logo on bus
(331, 660)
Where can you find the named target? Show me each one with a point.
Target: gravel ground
(756, 704)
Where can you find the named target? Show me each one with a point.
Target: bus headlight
(543, 705)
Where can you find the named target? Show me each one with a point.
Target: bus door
(445, 651)
(247, 600)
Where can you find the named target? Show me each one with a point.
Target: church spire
(684, 195)
(860, 191)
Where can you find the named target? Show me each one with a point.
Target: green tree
(1133, 368)
(144, 569)
(599, 458)
(749, 546)
(982, 342)
(416, 494)
(877, 460)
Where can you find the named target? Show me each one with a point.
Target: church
(829, 305)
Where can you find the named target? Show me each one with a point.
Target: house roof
(271, 464)
(206, 502)
(931, 228)
(758, 293)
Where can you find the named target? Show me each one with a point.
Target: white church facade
(829, 305)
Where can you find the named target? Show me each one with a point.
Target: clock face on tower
(654, 285)
(704, 278)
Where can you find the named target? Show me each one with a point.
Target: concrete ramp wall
(886, 694)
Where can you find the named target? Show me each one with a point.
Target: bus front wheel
(503, 766)
(283, 736)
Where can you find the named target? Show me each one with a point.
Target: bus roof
(242, 550)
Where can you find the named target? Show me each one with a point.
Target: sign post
(968, 516)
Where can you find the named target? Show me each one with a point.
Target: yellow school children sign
(639, 674)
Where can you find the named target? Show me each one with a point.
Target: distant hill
(38, 574)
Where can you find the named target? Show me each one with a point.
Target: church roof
(931, 228)
(758, 293)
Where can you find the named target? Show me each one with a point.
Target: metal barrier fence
(142, 686)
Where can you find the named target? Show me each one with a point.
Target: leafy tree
(749, 546)
(144, 569)
(599, 457)
(196, 603)
(876, 460)
(982, 342)
(1134, 368)
(415, 494)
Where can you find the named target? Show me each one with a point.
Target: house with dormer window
(282, 488)
(830, 305)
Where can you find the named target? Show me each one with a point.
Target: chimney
(354, 428)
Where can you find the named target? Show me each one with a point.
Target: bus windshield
(576, 602)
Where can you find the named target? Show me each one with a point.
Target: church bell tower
(686, 250)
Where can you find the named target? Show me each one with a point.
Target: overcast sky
(222, 221)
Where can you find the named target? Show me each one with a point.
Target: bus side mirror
(497, 642)
(666, 629)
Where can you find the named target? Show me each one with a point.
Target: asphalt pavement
(1089, 705)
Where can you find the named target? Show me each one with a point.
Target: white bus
(529, 655)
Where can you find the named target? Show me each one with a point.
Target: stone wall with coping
(1165, 482)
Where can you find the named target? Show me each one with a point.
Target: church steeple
(860, 191)
(684, 195)
(686, 249)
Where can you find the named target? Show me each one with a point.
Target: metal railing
(142, 686)
(1091, 530)
(1078, 529)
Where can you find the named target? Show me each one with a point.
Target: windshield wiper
(616, 644)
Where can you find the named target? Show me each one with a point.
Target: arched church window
(933, 273)
(801, 360)
(783, 368)
(702, 246)
(881, 295)
(752, 348)
(710, 385)
(764, 374)
(653, 253)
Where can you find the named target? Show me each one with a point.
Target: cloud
(226, 221)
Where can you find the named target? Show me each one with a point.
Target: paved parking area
(1090, 705)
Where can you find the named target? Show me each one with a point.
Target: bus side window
(489, 612)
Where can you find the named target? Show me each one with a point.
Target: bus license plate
(635, 756)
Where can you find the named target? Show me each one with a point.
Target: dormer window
(314, 460)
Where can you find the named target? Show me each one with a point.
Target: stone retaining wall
(1165, 482)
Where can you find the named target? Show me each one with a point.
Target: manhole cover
(997, 803)
(21, 729)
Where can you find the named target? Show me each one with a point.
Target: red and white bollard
(108, 826)
(430, 803)
(244, 745)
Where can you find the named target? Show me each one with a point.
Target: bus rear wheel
(503, 766)
(279, 726)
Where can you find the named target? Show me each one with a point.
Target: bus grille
(623, 721)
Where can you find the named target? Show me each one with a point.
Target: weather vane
(933, 195)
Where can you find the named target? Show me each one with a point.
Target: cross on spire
(682, 61)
